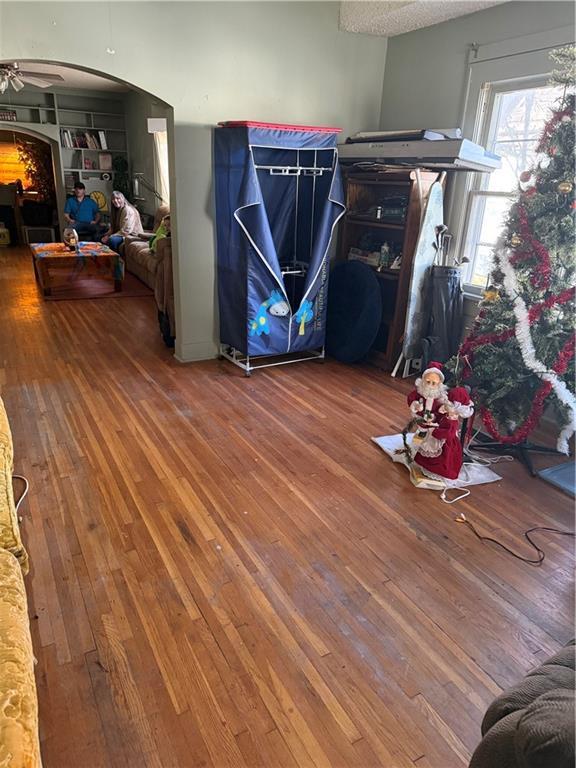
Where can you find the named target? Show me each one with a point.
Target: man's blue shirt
(85, 211)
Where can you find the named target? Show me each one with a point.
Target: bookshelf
(30, 107)
(385, 208)
(92, 135)
(91, 128)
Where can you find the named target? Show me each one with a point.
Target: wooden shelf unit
(76, 113)
(365, 190)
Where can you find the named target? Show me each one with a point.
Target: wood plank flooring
(226, 572)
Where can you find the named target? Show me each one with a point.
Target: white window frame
(492, 69)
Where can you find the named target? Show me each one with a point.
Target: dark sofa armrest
(164, 286)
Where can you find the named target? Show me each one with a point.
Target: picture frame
(105, 161)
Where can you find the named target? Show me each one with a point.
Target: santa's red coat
(449, 463)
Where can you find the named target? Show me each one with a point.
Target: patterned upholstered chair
(19, 743)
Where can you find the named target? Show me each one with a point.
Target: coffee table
(94, 259)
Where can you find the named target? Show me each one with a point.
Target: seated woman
(125, 220)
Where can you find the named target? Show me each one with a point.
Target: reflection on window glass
(481, 265)
(494, 218)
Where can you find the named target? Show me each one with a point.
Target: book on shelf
(66, 138)
(105, 161)
(102, 137)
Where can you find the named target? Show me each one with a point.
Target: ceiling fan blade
(37, 81)
(41, 76)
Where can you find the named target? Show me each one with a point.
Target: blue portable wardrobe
(278, 198)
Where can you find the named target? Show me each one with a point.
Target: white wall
(280, 61)
(426, 69)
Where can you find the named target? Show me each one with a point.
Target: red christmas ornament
(525, 176)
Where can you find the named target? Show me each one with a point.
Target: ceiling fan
(11, 74)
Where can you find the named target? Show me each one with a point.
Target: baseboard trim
(194, 351)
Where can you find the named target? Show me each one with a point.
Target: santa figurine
(437, 411)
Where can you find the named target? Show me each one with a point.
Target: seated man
(81, 213)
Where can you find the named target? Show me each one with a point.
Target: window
(11, 167)
(513, 122)
(507, 101)
(161, 165)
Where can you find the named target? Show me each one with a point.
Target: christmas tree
(519, 355)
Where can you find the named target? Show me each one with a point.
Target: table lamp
(70, 238)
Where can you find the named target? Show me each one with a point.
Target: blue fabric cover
(264, 220)
(354, 311)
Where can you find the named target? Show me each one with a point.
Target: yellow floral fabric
(19, 744)
(9, 529)
(6, 435)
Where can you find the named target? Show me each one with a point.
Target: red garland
(549, 128)
(521, 433)
(473, 341)
(519, 256)
(560, 298)
(564, 356)
(541, 278)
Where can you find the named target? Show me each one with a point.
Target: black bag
(446, 313)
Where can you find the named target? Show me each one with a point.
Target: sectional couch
(19, 742)
(140, 260)
(531, 725)
(155, 270)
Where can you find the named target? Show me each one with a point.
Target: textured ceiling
(395, 18)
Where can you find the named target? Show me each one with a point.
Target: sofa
(19, 742)
(139, 259)
(164, 291)
(155, 269)
(531, 725)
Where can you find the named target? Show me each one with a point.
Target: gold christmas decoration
(565, 187)
(515, 240)
(491, 293)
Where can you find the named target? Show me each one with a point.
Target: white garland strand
(524, 337)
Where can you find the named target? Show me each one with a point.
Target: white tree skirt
(470, 474)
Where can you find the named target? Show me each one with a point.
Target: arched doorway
(104, 132)
(88, 111)
(30, 195)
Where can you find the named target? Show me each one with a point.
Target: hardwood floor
(227, 572)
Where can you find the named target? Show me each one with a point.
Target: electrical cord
(484, 460)
(26, 489)
(541, 554)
